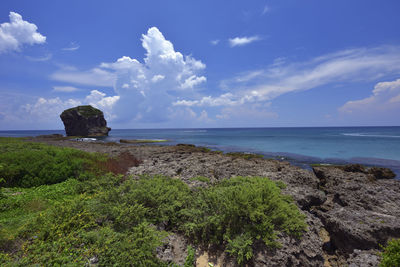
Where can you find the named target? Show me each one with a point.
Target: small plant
(391, 254)
(190, 260)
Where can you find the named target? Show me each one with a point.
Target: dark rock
(84, 121)
(381, 173)
(360, 212)
(354, 168)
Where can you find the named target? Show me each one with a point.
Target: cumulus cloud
(343, 66)
(384, 98)
(45, 111)
(145, 89)
(18, 32)
(101, 101)
(241, 41)
(148, 88)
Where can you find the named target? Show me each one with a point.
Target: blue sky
(167, 64)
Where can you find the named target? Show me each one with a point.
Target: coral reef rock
(84, 121)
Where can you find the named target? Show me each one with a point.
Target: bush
(239, 211)
(69, 234)
(32, 164)
(391, 254)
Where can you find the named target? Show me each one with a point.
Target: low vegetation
(391, 254)
(245, 155)
(25, 164)
(97, 216)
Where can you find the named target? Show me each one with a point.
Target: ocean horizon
(301, 146)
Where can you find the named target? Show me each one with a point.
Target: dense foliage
(391, 254)
(110, 220)
(25, 164)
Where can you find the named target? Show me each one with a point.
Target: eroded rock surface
(84, 121)
(361, 212)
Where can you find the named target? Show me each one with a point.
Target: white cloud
(17, 32)
(72, 47)
(65, 89)
(157, 78)
(101, 101)
(241, 41)
(343, 66)
(193, 81)
(46, 111)
(145, 89)
(40, 59)
(384, 98)
(214, 42)
(93, 77)
(149, 88)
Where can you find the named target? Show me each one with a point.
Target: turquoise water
(366, 145)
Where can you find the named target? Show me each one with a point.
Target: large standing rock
(84, 121)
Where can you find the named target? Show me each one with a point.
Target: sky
(199, 64)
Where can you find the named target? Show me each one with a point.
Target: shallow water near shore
(301, 146)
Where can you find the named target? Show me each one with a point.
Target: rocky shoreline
(350, 211)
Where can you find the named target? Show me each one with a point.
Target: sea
(371, 146)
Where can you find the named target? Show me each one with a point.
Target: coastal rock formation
(362, 210)
(84, 121)
(350, 210)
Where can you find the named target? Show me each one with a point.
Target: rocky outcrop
(84, 121)
(362, 210)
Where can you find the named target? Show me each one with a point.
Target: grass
(97, 214)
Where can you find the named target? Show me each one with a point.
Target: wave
(195, 131)
(370, 135)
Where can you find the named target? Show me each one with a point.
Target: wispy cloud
(241, 41)
(93, 77)
(343, 66)
(266, 9)
(65, 89)
(72, 47)
(40, 59)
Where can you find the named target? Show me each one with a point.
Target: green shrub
(32, 164)
(239, 211)
(69, 234)
(162, 196)
(391, 254)
(84, 214)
